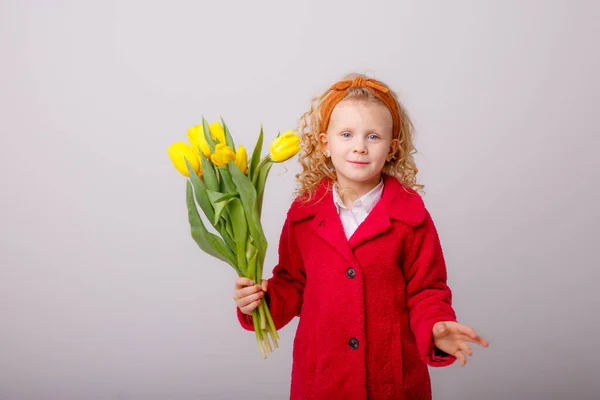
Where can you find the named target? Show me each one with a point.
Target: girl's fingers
(264, 285)
(461, 357)
(247, 300)
(465, 330)
(483, 342)
(248, 291)
(472, 335)
(250, 307)
(242, 282)
(465, 338)
(478, 340)
(465, 347)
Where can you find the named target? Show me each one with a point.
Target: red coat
(367, 305)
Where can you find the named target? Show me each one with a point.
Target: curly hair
(316, 167)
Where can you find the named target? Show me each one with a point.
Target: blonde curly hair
(316, 167)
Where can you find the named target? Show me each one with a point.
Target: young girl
(360, 260)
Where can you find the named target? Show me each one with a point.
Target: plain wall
(103, 292)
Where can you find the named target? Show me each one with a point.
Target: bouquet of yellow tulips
(229, 190)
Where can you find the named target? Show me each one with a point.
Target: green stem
(263, 320)
(258, 332)
(256, 172)
(271, 324)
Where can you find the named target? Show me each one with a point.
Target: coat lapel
(328, 226)
(397, 202)
(376, 223)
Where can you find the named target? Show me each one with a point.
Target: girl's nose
(359, 147)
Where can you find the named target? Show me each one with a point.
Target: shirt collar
(367, 201)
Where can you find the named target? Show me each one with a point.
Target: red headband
(341, 88)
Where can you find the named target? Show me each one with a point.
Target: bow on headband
(360, 81)
(341, 88)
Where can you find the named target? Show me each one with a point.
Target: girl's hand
(247, 295)
(452, 337)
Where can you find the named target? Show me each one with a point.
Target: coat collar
(367, 201)
(400, 202)
(397, 202)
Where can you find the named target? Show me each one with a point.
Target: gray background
(103, 293)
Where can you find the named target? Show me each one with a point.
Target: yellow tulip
(241, 159)
(198, 141)
(285, 146)
(178, 152)
(222, 154)
(217, 132)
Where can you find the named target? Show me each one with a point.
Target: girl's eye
(373, 137)
(346, 134)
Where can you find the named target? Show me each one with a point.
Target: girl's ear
(393, 149)
(324, 143)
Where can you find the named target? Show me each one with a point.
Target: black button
(353, 343)
(351, 272)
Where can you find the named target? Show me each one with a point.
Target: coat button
(351, 272)
(353, 343)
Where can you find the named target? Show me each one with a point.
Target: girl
(360, 260)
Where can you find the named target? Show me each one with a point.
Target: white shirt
(353, 217)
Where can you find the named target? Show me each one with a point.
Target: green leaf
(250, 249)
(219, 201)
(229, 225)
(219, 208)
(207, 241)
(226, 232)
(260, 184)
(248, 197)
(256, 154)
(211, 142)
(216, 197)
(228, 185)
(240, 231)
(208, 173)
(251, 254)
(200, 193)
(228, 137)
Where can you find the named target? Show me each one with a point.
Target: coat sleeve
(286, 287)
(429, 299)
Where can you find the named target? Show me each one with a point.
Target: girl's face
(359, 140)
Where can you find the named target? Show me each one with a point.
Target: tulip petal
(178, 153)
(284, 146)
(241, 159)
(217, 132)
(196, 138)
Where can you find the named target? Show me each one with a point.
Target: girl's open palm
(452, 338)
